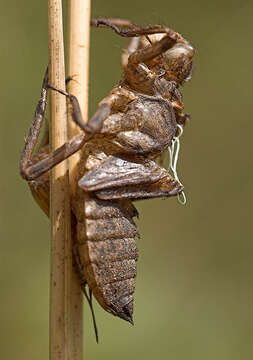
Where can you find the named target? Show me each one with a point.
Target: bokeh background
(194, 295)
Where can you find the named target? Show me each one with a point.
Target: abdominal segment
(108, 253)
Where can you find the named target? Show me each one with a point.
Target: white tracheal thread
(174, 151)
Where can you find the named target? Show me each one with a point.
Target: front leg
(143, 55)
(134, 29)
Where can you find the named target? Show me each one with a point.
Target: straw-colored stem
(59, 190)
(78, 71)
(78, 65)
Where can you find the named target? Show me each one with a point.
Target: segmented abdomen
(108, 253)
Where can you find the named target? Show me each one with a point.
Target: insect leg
(150, 52)
(40, 188)
(95, 123)
(34, 131)
(113, 21)
(32, 171)
(135, 30)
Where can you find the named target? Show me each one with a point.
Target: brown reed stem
(78, 71)
(60, 295)
(78, 66)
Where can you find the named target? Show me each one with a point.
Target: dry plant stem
(59, 190)
(78, 71)
(78, 64)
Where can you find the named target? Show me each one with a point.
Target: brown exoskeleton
(133, 125)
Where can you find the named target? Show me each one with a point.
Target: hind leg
(30, 170)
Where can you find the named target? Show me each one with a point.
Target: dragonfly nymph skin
(134, 125)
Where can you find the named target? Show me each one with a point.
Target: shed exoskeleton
(133, 125)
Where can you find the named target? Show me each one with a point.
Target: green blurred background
(194, 295)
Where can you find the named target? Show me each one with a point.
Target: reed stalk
(65, 294)
(78, 71)
(59, 348)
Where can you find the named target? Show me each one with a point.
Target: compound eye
(178, 62)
